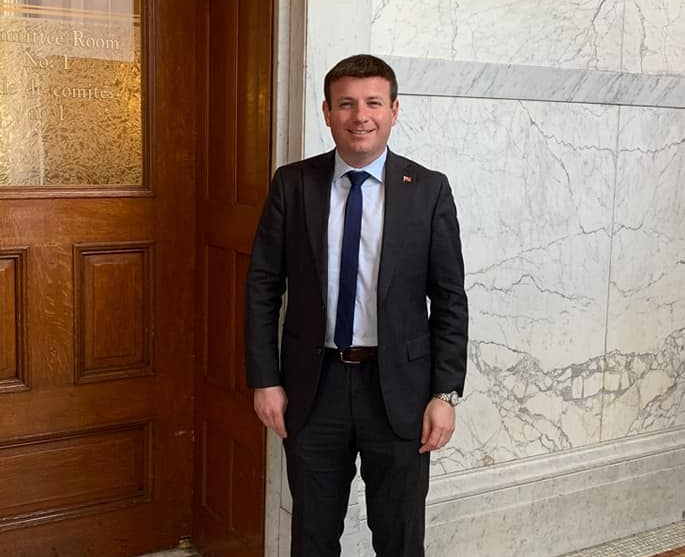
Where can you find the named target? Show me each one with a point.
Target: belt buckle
(347, 362)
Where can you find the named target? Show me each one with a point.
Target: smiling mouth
(360, 132)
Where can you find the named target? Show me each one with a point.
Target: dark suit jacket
(420, 257)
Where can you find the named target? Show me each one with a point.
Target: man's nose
(361, 114)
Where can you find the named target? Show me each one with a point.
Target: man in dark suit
(361, 237)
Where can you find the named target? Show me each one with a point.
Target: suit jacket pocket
(419, 347)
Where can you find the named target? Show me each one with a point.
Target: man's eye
(345, 104)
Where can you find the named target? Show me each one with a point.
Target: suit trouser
(348, 417)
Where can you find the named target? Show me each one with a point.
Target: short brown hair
(360, 65)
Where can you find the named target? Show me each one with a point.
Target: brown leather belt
(354, 355)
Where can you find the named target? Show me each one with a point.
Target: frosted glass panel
(70, 93)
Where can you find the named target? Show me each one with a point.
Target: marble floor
(668, 541)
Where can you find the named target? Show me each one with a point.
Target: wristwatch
(451, 398)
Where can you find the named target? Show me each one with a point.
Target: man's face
(361, 116)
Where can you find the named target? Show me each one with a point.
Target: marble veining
(645, 392)
(583, 35)
(646, 311)
(534, 186)
(523, 411)
(529, 409)
(654, 36)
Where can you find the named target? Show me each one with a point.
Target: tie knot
(357, 177)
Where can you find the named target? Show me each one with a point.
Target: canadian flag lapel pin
(406, 179)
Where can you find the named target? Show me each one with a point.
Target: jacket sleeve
(266, 280)
(449, 307)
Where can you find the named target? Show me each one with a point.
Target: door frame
(288, 134)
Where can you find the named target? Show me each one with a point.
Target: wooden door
(97, 303)
(236, 36)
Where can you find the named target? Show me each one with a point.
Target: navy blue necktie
(349, 261)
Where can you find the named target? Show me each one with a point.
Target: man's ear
(395, 110)
(326, 113)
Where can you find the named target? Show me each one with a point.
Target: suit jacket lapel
(316, 184)
(397, 207)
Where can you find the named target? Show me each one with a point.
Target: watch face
(454, 399)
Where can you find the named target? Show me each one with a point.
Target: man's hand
(270, 404)
(438, 425)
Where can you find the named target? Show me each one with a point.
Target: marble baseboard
(553, 504)
(567, 465)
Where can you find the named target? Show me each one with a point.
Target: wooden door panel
(13, 320)
(229, 507)
(113, 310)
(58, 475)
(97, 292)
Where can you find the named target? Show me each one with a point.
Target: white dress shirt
(365, 330)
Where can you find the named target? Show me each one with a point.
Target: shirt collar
(375, 168)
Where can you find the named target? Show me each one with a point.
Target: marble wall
(644, 383)
(562, 130)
